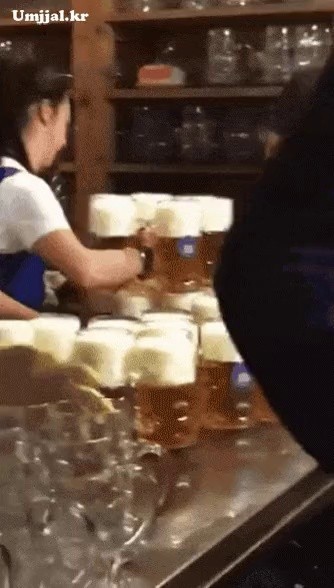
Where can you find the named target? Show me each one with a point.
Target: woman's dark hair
(26, 78)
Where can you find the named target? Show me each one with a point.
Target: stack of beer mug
(74, 491)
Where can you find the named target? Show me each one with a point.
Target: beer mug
(135, 299)
(205, 307)
(163, 369)
(178, 225)
(112, 220)
(146, 207)
(179, 302)
(169, 320)
(216, 221)
(103, 351)
(54, 334)
(16, 333)
(229, 405)
(109, 322)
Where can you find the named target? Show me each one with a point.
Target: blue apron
(21, 274)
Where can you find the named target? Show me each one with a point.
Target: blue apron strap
(7, 172)
(22, 273)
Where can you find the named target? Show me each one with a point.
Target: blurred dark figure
(275, 279)
(289, 110)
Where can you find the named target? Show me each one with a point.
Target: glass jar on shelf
(241, 141)
(197, 4)
(313, 44)
(5, 46)
(196, 135)
(223, 58)
(152, 135)
(147, 5)
(278, 66)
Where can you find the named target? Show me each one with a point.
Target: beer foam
(163, 360)
(179, 301)
(16, 333)
(167, 321)
(104, 351)
(205, 307)
(179, 218)
(217, 345)
(112, 216)
(130, 304)
(147, 204)
(122, 324)
(55, 335)
(217, 215)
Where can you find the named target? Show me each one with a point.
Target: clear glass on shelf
(147, 5)
(152, 136)
(278, 65)
(197, 4)
(223, 57)
(313, 44)
(240, 136)
(5, 46)
(241, 3)
(196, 135)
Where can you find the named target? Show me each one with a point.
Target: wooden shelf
(170, 17)
(227, 169)
(209, 93)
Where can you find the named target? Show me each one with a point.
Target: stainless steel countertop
(218, 486)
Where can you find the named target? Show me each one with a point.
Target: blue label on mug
(187, 247)
(241, 379)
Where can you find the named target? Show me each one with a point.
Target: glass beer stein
(104, 352)
(229, 404)
(55, 335)
(172, 320)
(112, 220)
(205, 307)
(178, 224)
(217, 220)
(108, 322)
(135, 299)
(146, 206)
(163, 368)
(16, 333)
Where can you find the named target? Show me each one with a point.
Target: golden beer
(168, 402)
(217, 220)
(228, 409)
(178, 223)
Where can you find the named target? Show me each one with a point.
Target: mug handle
(162, 469)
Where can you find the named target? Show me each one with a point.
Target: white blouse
(28, 210)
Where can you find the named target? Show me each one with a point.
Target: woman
(275, 280)
(34, 121)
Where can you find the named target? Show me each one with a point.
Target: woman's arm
(38, 223)
(88, 268)
(10, 309)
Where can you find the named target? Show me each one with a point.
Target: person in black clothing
(275, 278)
(289, 110)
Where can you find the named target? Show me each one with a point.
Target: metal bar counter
(230, 496)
